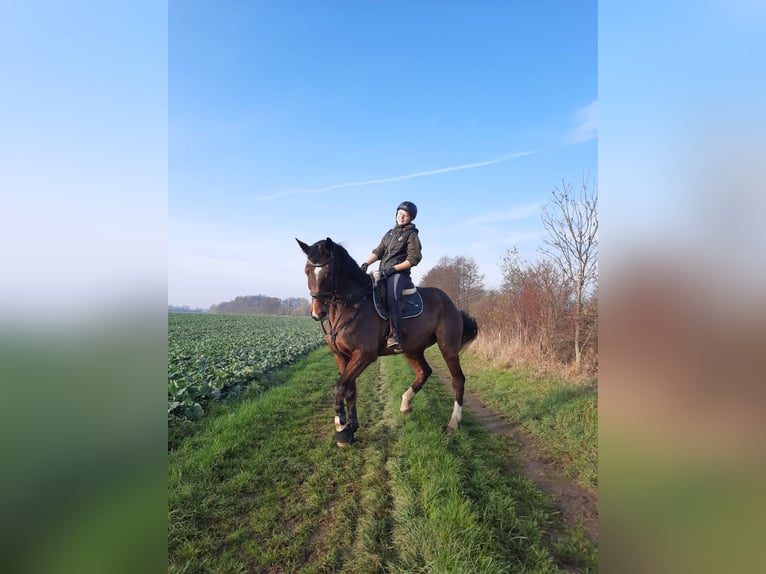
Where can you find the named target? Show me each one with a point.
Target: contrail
(502, 159)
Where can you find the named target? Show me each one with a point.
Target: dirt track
(578, 506)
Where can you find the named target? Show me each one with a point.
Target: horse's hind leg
(458, 385)
(422, 372)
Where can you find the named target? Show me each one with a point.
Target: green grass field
(261, 487)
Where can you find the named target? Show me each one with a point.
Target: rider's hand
(388, 271)
(364, 266)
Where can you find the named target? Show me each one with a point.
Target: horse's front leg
(353, 421)
(341, 361)
(345, 396)
(339, 393)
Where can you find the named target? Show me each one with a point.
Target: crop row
(212, 357)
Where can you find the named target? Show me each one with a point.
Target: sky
(316, 119)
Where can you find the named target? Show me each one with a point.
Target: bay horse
(342, 296)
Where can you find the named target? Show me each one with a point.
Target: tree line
(262, 305)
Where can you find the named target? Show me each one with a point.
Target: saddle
(411, 303)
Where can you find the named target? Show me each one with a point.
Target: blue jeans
(395, 284)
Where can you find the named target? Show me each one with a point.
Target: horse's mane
(349, 264)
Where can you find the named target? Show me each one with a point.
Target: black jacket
(399, 244)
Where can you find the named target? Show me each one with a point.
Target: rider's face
(402, 217)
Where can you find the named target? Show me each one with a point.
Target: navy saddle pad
(412, 304)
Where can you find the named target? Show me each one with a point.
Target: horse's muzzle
(318, 316)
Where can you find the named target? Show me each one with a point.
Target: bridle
(334, 298)
(332, 295)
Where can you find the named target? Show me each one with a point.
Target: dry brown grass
(510, 353)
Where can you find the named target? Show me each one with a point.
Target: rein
(335, 330)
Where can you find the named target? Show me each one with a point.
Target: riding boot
(395, 339)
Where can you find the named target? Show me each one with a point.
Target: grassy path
(560, 461)
(261, 487)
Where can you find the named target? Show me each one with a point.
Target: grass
(562, 417)
(456, 510)
(246, 490)
(261, 487)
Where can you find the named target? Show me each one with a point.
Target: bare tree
(572, 242)
(471, 282)
(458, 277)
(535, 304)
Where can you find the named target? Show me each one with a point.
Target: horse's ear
(329, 242)
(304, 247)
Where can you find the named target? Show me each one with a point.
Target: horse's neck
(360, 296)
(354, 289)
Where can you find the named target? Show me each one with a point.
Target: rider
(399, 251)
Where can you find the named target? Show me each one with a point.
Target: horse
(342, 296)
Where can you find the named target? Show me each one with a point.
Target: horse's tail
(470, 330)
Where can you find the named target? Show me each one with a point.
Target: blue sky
(315, 119)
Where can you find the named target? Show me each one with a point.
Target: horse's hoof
(344, 443)
(344, 437)
(407, 410)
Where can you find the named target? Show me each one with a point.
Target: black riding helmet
(409, 207)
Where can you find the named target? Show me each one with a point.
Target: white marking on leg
(339, 427)
(407, 397)
(457, 416)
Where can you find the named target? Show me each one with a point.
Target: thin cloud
(506, 241)
(587, 124)
(513, 214)
(290, 192)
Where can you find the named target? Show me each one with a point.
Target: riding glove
(388, 271)
(364, 266)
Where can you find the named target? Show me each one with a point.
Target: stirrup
(394, 345)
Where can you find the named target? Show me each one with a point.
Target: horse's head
(321, 275)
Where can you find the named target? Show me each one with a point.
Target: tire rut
(578, 507)
(373, 536)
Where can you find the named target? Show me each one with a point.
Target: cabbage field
(213, 357)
